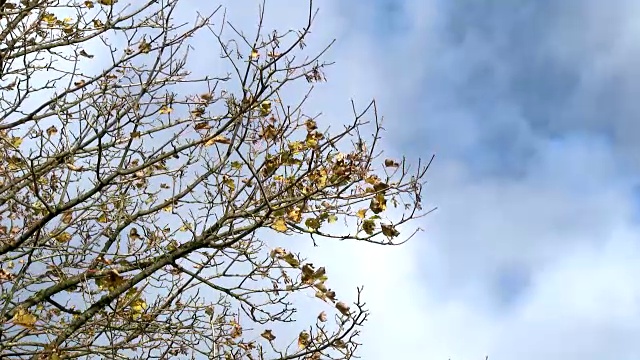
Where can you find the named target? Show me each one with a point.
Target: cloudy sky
(530, 109)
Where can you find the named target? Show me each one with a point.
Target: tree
(137, 200)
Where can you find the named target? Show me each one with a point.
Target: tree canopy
(138, 199)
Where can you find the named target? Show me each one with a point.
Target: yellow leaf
(138, 307)
(294, 214)
(88, 4)
(303, 339)
(362, 213)
(24, 318)
(265, 108)
(167, 208)
(236, 165)
(49, 18)
(254, 54)
(165, 109)
(97, 23)
(230, 184)
(279, 225)
(63, 237)
(372, 180)
(107, 2)
(103, 218)
(311, 142)
(144, 47)
(110, 281)
(16, 141)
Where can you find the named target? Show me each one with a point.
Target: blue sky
(531, 109)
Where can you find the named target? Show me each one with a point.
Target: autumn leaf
(229, 183)
(372, 179)
(74, 167)
(343, 308)
(103, 218)
(165, 109)
(107, 2)
(236, 330)
(277, 252)
(269, 132)
(369, 226)
(63, 237)
(294, 214)
(380, 186)
(304, 339)
(218, 139)
(67, 217)
(267, 334)
(311, 125)
(133, 234)
(254, 55)
(110, 281)
(391, 163)
(320, 273)
(144, 47)
(15, 141)
(24, 318)
(279, 224)
(203, 125)
(339, 344)
(362, 213)
(197, 112)
(389, 230)
(206, 97)
(290, 259)
(312, 223)
(378, 203)
(88, 4)
(322, 317)
(236, 165)
(265, 108)
(138, 306)
(52, 130)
